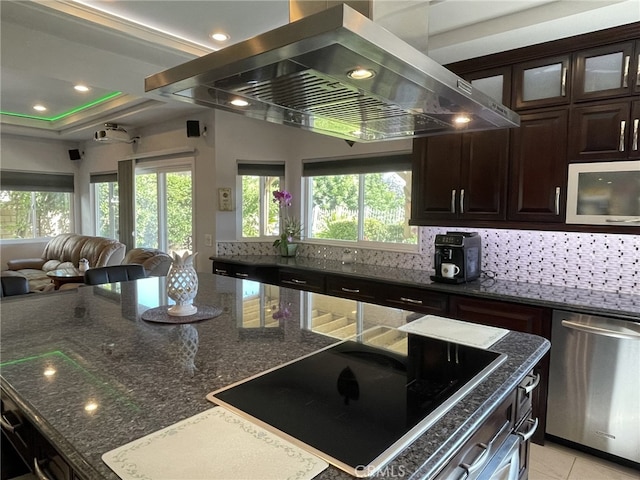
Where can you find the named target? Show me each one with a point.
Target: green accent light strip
(65, 114)
(93, 378)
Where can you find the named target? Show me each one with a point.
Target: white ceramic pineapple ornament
(182, 285)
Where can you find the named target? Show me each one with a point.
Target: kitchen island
(64, 352)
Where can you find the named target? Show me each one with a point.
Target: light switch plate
(225, 203)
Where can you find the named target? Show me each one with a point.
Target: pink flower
(282, 198)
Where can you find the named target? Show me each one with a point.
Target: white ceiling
(111, 46)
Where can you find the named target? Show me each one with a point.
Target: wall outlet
(208, 240)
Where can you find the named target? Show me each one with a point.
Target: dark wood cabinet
(38, 454)
(414, 299)
(460, 176)
(301, 280)
(354, 288)
(521, 318)
(542, 82)
(604, 131)
(605, 72)
(538, 176)
(264, 274)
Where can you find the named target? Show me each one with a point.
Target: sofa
(65, 251)
(156, 263)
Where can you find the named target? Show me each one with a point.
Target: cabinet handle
(526, 436)
(350, 290)
(453, 201)
(478, 462)
(532, 386)
(242, 275)
(634, 143)
(299, 282)
(219, 271)
(40, 475)
(563, 85)
(625, 75)
(557, 200)
(623, 127)
(638, 73)
(462, 200)
(8, 426)
(411, 300)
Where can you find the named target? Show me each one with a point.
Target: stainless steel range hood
(299, 75)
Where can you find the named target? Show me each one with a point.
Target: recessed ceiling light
(239, 102)
(81, 88)
(220, 36)
(39, 108)
(361, 73)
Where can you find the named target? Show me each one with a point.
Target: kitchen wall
(594, 261)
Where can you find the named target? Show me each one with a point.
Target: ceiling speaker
(74, 154)
(193, 128)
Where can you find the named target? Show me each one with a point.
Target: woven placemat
(160, 314)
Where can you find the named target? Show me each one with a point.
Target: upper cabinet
(579, 101)
(542, 82)
(605, 72)
(604, 131)
(460, 176)
(538, 174)
(463, 176)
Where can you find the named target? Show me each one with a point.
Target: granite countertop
(620, 305)
(145, 376)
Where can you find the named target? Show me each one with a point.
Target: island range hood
(336, 73)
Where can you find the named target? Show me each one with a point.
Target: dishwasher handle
(604, 330)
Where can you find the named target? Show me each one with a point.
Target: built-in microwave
(604, 193)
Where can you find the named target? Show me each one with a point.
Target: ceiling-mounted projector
(112, 134)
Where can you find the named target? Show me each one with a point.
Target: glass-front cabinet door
(605, 72)
(495, 82)
(540, 83)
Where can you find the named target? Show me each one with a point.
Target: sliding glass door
(164, 208)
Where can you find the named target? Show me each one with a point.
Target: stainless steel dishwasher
(594, 383)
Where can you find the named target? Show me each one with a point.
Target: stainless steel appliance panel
(594, 383)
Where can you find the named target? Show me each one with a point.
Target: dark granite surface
(595, 302)
(146, 376)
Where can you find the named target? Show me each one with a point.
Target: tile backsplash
(595, 261)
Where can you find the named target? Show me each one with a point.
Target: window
(360, 199)
(35, 205)
(259, 212)
(105, 193)
(163, 208)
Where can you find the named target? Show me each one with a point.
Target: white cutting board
(450, 330)
(213, 445)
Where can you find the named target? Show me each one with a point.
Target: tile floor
(557, 462)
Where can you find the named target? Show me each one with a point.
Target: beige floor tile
(551, 462)
(584, 469)
(536, 475)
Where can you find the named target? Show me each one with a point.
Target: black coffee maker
(461, 252)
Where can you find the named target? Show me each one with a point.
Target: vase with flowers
(291, 228)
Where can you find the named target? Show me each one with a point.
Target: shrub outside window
(35, 206)
(259, 213)
(345, 202)
(105, 194)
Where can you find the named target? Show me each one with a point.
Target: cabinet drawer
(244, 272)
(416, 300)
(301, 280)
(354, 288)
(521, 318)
(476, 452)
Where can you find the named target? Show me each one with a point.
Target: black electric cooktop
(357, 405)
